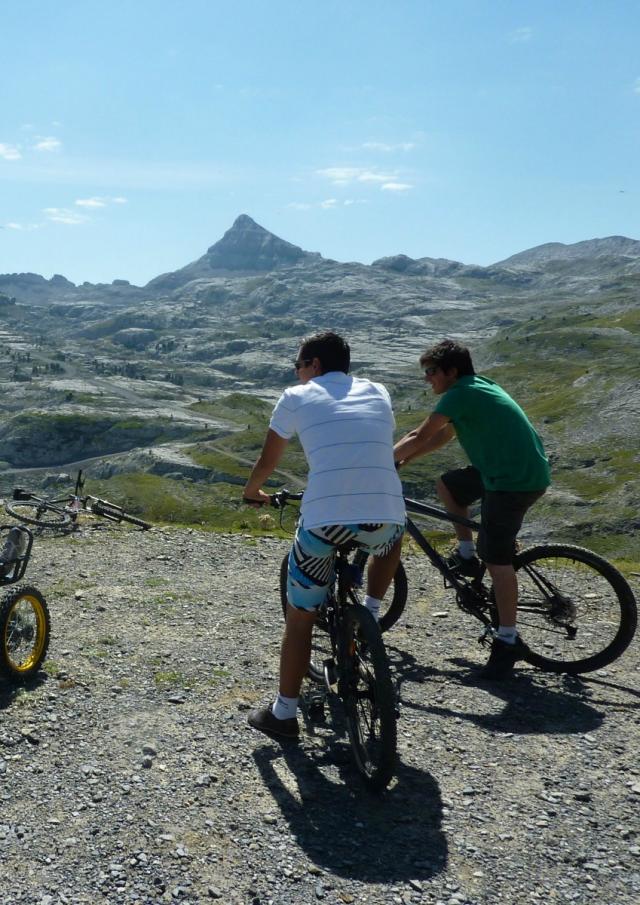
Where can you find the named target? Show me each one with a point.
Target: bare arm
(272, 451)
(433, 433)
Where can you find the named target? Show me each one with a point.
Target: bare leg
(381, 570)
(462, 532)
(505, 586)
(296, 650)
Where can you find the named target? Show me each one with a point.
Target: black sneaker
(502, 659)
(264, 720)
(470, 567)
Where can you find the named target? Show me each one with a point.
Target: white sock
(284, 708)
(467, 549)
(507, 633)
(373, 605)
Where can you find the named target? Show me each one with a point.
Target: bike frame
(461, 586)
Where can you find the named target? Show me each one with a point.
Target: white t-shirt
(345, 425)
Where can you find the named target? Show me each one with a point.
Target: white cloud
(48, 144)
(396, 187)
(91, 202)
(24, 227)
(96, 202)
(386, 148)
(347, 175)
(521, 35)
(9, 152)
(327, 204)
(64, 215)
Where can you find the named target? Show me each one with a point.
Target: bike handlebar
(277, 500)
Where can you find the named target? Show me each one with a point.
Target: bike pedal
(487, 636)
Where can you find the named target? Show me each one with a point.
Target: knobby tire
(576, 612)
(25, 628)
(39, 514)
(365, 686)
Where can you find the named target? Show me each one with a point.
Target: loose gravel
(128, 773)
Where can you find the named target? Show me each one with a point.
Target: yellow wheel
(25, 627)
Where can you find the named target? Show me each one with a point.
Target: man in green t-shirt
(509, 472)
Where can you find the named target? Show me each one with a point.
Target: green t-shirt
(496, 435)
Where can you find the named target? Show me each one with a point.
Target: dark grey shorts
(501, 513)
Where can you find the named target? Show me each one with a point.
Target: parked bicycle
(354, 665)
(25, 624)
(576, 611)
(61, 513)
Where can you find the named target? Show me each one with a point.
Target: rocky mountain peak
(249, 246)
(246, 247)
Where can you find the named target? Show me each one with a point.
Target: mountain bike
(353, 663)
(25, 624)
(576, 611)
(61, 513)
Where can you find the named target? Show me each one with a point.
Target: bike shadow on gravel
(596, 683)
(531, 705)
(342, 827)
(9, 691)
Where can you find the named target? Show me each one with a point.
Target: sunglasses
(302, 363)
(429, 372)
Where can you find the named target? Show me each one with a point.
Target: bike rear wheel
(576, 612)
(396, 595)
(40, 514)
(365, 686)
(25, 627)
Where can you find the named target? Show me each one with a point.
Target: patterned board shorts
(312, 557)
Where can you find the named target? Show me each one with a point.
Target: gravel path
(128, 773)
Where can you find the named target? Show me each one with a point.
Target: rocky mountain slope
(118, 371)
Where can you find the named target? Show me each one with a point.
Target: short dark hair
(332, 351)
(447, 355)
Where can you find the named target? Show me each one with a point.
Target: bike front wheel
(25, 627)
(40, 514)
(365, 686)
(576, 612)
(392, 606)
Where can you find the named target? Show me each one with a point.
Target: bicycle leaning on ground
(354, 665)
(25, 625)
(61, 513)
(576, 611)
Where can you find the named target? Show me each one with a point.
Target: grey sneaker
(503, 658)
(264, 720)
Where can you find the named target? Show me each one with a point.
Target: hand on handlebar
(257, 502)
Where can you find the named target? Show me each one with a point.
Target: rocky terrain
(128, 773)
(116, 372)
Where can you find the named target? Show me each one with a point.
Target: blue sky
(133, 133)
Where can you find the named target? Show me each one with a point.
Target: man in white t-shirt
(345, 425)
